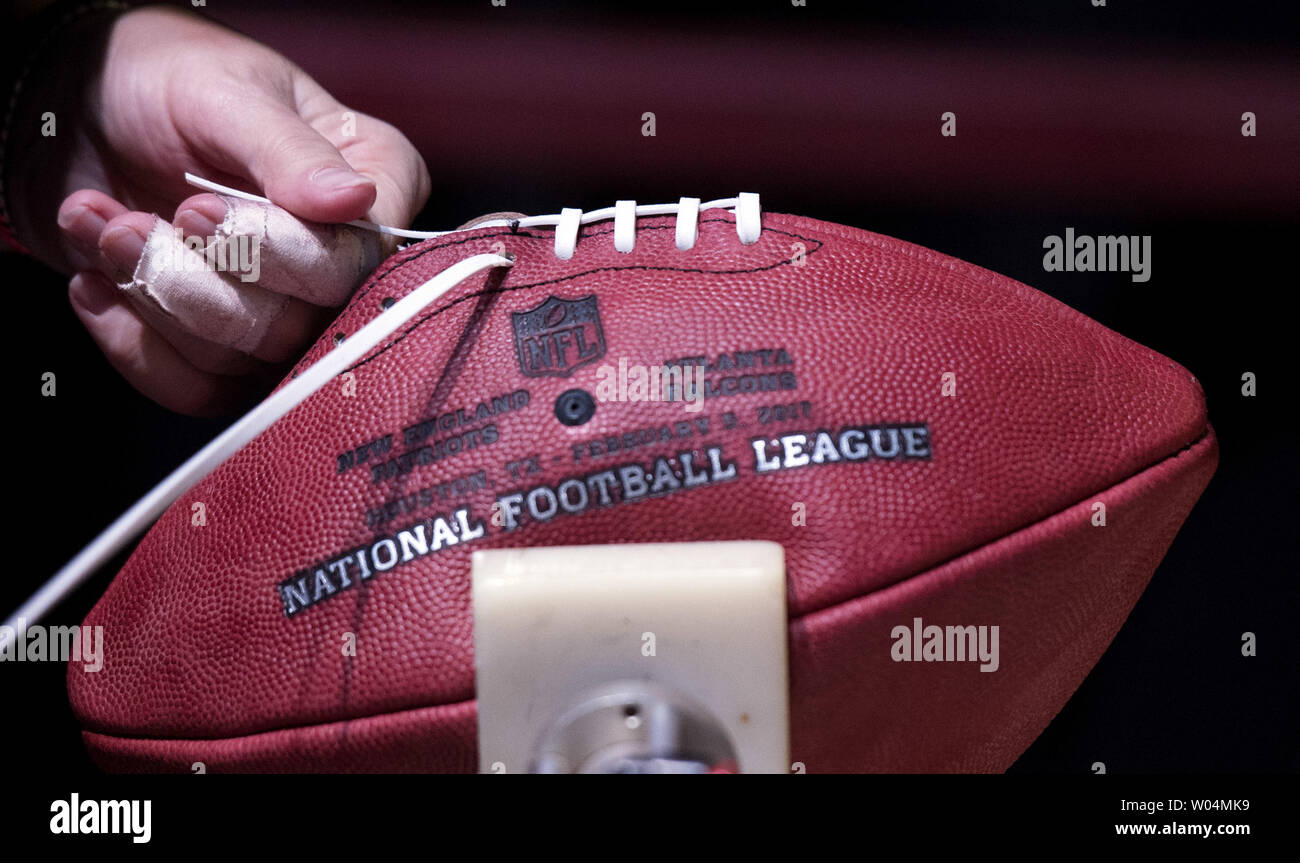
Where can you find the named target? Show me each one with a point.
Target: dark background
(1116, 120)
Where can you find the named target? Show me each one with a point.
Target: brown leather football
(932, 444)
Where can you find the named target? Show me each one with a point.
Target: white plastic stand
(706, 620)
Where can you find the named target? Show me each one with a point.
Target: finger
(185, 287)
(145, 358)
(81, 219)
(372, 147)
(295, 165)
(319, 264)
(200, 353)
(384, 154)
(121, 243)
(200, 215)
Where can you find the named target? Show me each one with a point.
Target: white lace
(749, 219)
(348, 353)
(327, 368)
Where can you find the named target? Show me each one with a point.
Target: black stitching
(413, 326)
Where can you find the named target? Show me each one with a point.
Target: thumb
(296, 167)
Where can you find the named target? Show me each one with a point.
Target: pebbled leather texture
(829, 328)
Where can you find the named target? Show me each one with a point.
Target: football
(972, 484)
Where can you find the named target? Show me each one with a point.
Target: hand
(175, 94)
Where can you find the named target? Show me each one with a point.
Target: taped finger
(319, 264)
(205, 287)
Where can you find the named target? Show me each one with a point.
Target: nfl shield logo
(558, 336)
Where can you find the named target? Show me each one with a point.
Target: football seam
(973, 273)
(414, 325)
(1006, 537)
(1204, 433)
